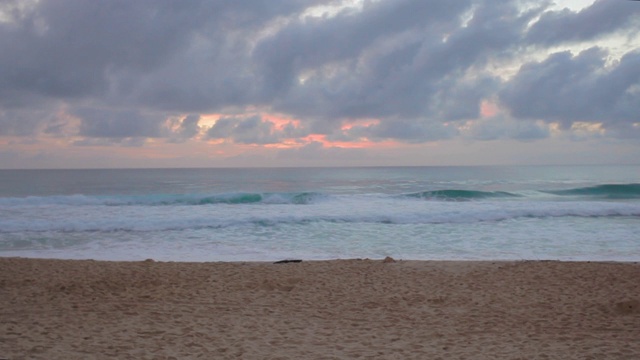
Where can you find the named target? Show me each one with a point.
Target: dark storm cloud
(416, 66)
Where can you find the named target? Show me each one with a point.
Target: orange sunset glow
(244, 85)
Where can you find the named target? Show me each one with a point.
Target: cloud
(566, 88)
(252, 130)
(411, 131)
(420, 68)
(400, 70)
(602, 18)
(185, 128)
(106, 123)
(500, 127)
(104, 142)
(66, 49)
(314, 42)
(21, 122)
(317, 154)
(72, 50)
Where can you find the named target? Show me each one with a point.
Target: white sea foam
(341, 214)
(341, 209)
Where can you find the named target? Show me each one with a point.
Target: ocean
(269, 214)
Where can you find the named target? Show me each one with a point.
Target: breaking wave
(166, 199)
(605, 191)
(461, 195)
(599, 192)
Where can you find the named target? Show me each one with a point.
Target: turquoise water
(555, 212)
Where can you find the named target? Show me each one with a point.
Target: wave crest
(460, 195)
(166, 199)
(605, 191)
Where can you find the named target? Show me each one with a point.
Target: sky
(219, 83)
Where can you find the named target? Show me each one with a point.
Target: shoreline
(321, 309)
(312, 260)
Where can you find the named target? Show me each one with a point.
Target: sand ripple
(54, 309)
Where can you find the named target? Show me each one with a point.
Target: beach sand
(341, 309)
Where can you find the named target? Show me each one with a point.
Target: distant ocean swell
(606, 191)
(166, 199)
(461, 195)
(600, 192)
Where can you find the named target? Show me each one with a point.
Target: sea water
(455, 213)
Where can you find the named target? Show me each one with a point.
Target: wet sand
(341, 309)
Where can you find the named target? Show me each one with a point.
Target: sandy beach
(341, 309)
